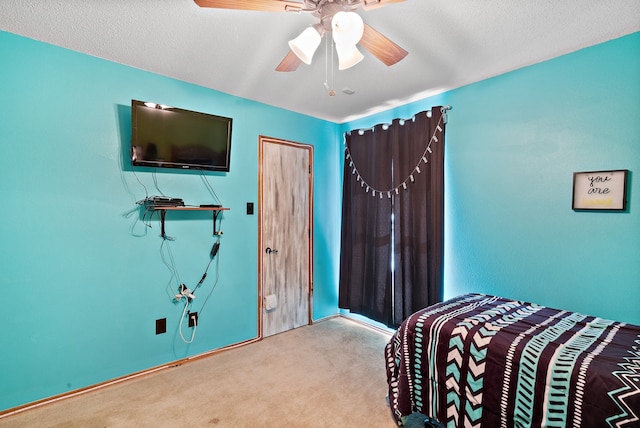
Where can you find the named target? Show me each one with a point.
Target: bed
(486, 361)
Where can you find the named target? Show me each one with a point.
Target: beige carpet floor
(330, 374)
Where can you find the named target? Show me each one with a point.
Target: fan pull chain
(327, 86)
(326, 64)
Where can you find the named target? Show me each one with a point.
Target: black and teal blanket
(486, 361)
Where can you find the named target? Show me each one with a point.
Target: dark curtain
(398, 170)
(419, 217)
(366, 223)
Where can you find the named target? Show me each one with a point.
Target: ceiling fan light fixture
(347, 28)
(348, 56)
(305, 45)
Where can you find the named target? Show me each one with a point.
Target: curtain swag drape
(392, 218)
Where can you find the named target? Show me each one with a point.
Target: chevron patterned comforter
(486, 361)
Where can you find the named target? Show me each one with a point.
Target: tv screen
(169, 137)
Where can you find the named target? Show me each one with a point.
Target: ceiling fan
(336, 17)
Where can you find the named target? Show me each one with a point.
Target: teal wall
(83, 279)
(512, 145)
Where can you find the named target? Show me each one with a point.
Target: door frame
(262, 140)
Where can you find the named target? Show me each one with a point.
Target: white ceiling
(451, 43)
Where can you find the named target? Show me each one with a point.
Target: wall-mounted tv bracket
(216, 210)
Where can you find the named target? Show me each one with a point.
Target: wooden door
(285, 235)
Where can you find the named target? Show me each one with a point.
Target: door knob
(271, 251)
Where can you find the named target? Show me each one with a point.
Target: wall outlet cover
(193, 319)
(161, 325)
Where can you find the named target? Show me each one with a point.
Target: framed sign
(600, 190)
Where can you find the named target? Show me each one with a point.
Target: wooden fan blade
(289, 63)
(374, 4)
(381, 47)
(261, 5)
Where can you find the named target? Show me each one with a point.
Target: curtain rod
(443, 110)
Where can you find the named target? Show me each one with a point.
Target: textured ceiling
(450, 44)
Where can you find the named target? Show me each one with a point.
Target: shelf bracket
(163, 213)
(215, 220)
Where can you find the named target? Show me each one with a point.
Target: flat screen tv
(169, 137)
